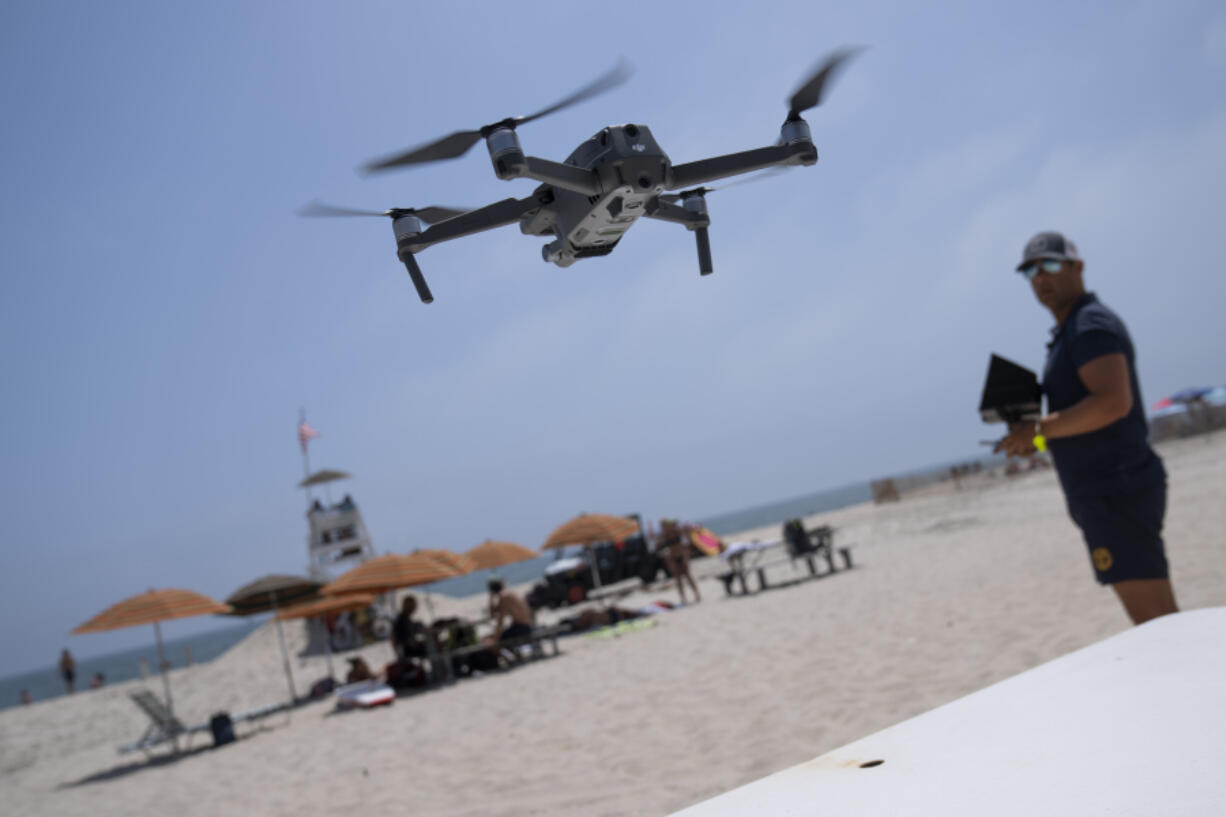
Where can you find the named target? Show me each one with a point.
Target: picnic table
(746, 558)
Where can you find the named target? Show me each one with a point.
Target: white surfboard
(1132, 725)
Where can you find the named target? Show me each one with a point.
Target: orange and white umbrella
(153, 608)
(323, 606)
(328, 604)
(591, 529)
(491, 554)
(384, 573)
(459, 563)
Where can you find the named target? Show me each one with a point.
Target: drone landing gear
(692, 214)
(419, 280)
(704, 251)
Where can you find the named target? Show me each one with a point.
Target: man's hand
(1019, 442)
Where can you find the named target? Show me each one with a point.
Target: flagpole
(306, 457)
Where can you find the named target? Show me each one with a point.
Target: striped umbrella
(456, 562)
(323, 606)
(384, 573)
(491, 554)
(152, 608)
(328, 604)
(591, 529)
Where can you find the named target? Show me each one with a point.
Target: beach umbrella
(153, 608)
(323, 606)
(490, 554)
(271, 592)
(265, 595)
(384, 573)
(458, 563)
(321, 477)
(1189, 395)
(591, 529)
(588, 529)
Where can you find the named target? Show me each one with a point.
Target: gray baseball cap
(1048, 245)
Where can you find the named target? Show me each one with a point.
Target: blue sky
(166, 314)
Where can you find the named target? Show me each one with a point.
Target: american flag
(305, 435)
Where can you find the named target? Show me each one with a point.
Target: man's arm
(1109, 399)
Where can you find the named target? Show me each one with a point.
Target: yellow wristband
(1040, 442)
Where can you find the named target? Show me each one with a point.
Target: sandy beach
(952, 590)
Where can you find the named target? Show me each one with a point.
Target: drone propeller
(432, 215)
(809, 94)
(457, 144)
(702, 191)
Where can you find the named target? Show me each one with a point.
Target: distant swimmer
(1114, 483)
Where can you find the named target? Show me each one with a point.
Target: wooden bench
(508, 651)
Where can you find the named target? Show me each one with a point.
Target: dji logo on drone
(639, 148)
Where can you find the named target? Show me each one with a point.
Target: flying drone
(587, 203)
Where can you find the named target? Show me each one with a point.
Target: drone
(588, 202)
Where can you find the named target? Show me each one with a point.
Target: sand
(953, 590)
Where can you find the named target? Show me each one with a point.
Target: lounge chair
(163, 725)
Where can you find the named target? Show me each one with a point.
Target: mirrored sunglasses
(1032, 269)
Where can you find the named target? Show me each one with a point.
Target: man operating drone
(588, 202)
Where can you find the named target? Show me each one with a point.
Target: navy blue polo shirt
(1114, 459)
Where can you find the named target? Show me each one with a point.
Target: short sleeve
(1094, 344)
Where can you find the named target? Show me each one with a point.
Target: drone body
(587, 203)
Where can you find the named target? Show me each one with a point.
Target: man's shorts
(1124, 533)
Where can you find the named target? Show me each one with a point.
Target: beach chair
(163, 725)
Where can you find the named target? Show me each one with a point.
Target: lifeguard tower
(338, 539)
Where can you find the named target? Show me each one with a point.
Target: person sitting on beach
(408, 635)
(359, 670)
(97, 681)
(511, 614)
(674, 548)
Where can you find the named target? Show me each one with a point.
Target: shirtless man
(511, 614)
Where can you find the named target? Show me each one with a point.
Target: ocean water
(122, 666)
(783, 510)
